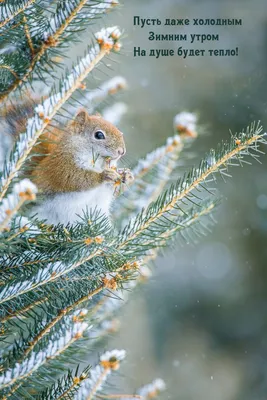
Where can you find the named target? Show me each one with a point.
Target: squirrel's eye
(99, 135)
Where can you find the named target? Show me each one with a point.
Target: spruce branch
(56, 343)
(73, 388)
(139, 235)
(109, 362)
(152, 390)
(55, 321)
(28, 35)
(22, 312)
(50, 274)
(43, 329)
(93, 99)
(140, 231)
(111, 281)
(108, 88)
(9, 69)
(67, 20)
(10, 11)
(78, 318)
(153, 172)
(23, 191)
(44, 112)
(76, 248)
(115, 112)
(65, 387)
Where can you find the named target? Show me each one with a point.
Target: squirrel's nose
(121, 151)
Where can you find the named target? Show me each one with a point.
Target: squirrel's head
(95, 141)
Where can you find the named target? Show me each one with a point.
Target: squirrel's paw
(111, 176)
(126, 175)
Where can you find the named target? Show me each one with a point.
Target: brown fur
(55, 170)
(14, 117)
(52, 166)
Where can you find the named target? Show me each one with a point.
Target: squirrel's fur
(71, 167)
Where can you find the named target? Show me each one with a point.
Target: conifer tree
(61, 286)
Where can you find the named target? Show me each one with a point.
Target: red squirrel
(74, 168)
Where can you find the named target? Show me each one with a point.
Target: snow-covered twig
(91, 99)
(7, 15)
(22, 192)
(185, 124)
(152, 390)
(71, 9)
(55, 347)
(110, 87)
(153, 172)
(114, 113)
(109, 362)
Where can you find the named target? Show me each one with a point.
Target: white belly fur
(67, 208)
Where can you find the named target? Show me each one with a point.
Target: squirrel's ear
(81, 117)
(79, 121)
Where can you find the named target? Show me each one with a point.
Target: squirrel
(75, 168)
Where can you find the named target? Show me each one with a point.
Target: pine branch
(46, 111)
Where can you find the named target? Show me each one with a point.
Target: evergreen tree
(60, 286)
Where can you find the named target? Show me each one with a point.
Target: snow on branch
(91, 99)
(153, 172)
(68, 11)
(110, 87)
(107, 39)
(22, 192)
(146, 224)
(7, 14)
(109, 361)
(152, 389)
(185, 124)
(23, 370)
(67, 20)
(115, 112)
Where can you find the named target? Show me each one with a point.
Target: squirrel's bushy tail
(14, 116)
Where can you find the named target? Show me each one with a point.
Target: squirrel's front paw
(111, 175)
(126, 175)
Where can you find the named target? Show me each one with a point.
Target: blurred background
(200, 322)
